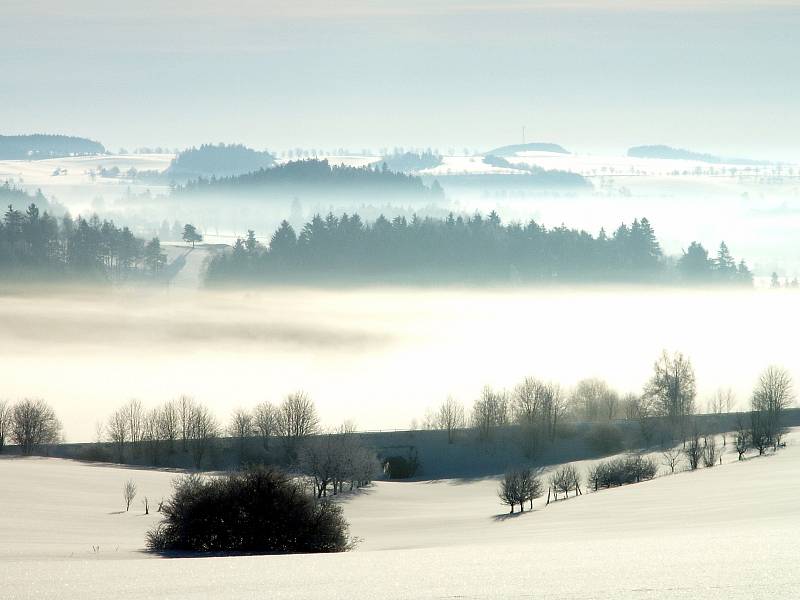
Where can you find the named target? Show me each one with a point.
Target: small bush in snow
(621, 471)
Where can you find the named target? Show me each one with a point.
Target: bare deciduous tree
(134, 412)
(240, 429)
(509, 491)
(772, 396)
(593, 400)
(203, 431)
(117, 431)
(672, 390)
(528, 404)
(5, 422)
(168, 424)
(711, 454)
(671, 458)
(150, 439)
(489, 412)
(185, 406)
(450, 418)
(129, 493)
(265, 421)
(693, 449)
(720, 404)
(565, 479)
(33, 424)
(520, 486)
(741, 438)
(297, 419)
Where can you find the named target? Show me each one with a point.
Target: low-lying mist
(378, 356)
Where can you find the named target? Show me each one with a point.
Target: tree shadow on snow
(507, 516)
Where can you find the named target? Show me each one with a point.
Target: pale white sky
(593, 75)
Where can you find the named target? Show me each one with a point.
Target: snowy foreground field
(728, 532)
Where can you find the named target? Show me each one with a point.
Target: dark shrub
(620, 471)
(258, 510)
(605, 438)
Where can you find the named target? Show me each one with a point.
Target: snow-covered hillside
(76, 180)
(727, 532)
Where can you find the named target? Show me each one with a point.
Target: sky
(593, 75)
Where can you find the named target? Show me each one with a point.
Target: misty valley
(399, 300)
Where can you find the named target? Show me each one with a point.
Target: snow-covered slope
(728, 532)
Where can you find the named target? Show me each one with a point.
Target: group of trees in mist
(29, 424)
(219, 160)
(288, 433)
(40, 146)
(473, 249)
(695, 266)
(34, 244)
(668, 400)
(536, 413)
(337, 459)
(11, 194)
(314, 176)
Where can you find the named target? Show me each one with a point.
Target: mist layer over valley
(378, 356)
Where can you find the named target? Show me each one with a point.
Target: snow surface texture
(728, 532)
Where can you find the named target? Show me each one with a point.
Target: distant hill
(668, 152)
(316, 178)
(40, 146)
(407, 162)
(219, 160)
(531, 147)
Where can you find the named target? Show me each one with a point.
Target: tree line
(670, 395)
(539, 412)
(34, 243)
(40, 146)
(220, 159)
(405, 162)
(287, 433)
(313, 175)
(473, 249)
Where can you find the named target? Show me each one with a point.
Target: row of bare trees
(535, 405)
(667, 405)
(181, 423)
(30, 424)
(185, 425)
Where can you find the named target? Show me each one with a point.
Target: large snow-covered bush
(259, 510)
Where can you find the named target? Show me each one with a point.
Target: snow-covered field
(728, 532)
(75, 182)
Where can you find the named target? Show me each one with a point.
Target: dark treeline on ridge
(313, 176)
(37, 146)
(36, 245)
(472, 250)
(220, 160)
(405, 162)
(668, 152)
